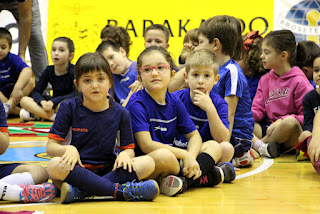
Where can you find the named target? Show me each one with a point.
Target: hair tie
(250, 38)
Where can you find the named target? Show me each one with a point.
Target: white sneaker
(244, 160)
(170, 185)
(7, 108)
(26, 116)
(271, 150)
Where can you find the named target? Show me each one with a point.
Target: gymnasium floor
(282, 185)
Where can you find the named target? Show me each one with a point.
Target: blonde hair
(203, 57)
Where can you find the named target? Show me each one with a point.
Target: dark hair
(228, 30)
(118, 35)
(161, 50)
(312, 49)
(161, 28)
(191, 35)
(92, 62)
(106, 44)
(5, 34)
(68, 41)
(284, 40)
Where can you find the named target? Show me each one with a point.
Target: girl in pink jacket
(277, 106)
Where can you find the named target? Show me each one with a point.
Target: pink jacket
(280, 97)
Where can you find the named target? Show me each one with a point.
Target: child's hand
(202, 100)
(191, 168)
(70, 158)
(136, 86)
(189, 46)
(16, 95)
(314, 150)
(123, 160)
(47, 105)
(273, 126)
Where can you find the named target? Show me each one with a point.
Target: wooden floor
(282, 185)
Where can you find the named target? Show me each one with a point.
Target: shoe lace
(133, 190)
(32, 193)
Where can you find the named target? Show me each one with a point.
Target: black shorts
(6, 169)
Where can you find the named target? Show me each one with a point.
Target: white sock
(24, 178)
(53, 117)
(9, 192)
(257, 144)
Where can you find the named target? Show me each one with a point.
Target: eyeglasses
(159, 68)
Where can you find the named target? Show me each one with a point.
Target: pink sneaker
(38, 193)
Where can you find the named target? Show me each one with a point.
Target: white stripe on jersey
(198, 119)
(162, 121)
(234, 78)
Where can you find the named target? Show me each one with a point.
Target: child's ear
(71, 55)
(75, 83)
(167, 46)
(284, 55)
(305, 70)
(217, 44)
(216, 79)
(123, 52)
(185, 76)
(173, 73)
(139, 78)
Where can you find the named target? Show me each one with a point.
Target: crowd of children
(160, 128)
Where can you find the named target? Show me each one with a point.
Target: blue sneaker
(38, 193)
(228, 171)
(70, 194)
(141, 191)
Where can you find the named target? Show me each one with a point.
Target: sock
(9, 192)
(206, 163)
(257, 145)
(90, 182)
(121, 176)
(53, 117)
(24, 178)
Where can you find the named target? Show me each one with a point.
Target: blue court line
(23, 154)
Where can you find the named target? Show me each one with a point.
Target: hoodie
(280, 97)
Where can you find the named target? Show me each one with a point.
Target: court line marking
(267, 162)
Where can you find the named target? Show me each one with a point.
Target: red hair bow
(250, 38)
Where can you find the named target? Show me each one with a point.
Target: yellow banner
(83, 20)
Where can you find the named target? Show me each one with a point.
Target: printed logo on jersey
(277, 94)
(80, 129)
(302, 19)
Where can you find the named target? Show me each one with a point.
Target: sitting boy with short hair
(16, 79)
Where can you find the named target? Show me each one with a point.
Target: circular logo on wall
(303, 19)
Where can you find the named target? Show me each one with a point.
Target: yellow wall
(82, 20)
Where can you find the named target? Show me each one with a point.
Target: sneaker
(213, 178)
(271, 150)
(170, 185)
(255, 154)
(7, 108)
(244, 160)
(70, 194)
(26, 116)
(228, 172)
(141, 191)
(38, 193)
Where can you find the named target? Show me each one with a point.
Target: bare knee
(227, 152)
(165, 161)
(25, 100)
(290, 123)
(212, 148)
(145, 166)
(304, 135)
(55, 169)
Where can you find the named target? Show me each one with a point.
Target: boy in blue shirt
(222, 35)
(123, 69)
(208, 110)
(16, 78)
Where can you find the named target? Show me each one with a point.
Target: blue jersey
(199, 116)
(164, 122)
(123, 81)
(93, 133)
(3, 119)
(233, 82)
(10, 69)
